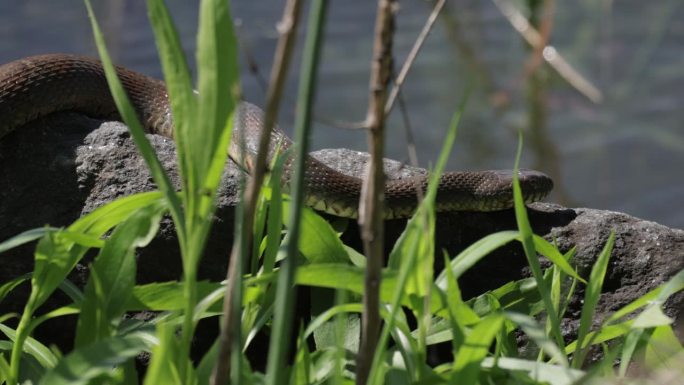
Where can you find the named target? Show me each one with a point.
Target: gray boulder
(60, 167)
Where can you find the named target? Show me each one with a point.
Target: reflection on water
(624, 154)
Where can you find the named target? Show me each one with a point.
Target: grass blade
(8, 286)
(37, 350)
(104, 218)
(93, 361)
(591, 297)
(25, 237)
(537, 334)
(318, 242)
(113, 276)
(178, 82)
(57, 254)
(527, 240)
(475, 348)
(657, 295)
(163, 368)
(475, 252)
(538, 371)
(129, 117)
(545, 248)
(219, 93)
(283, 312)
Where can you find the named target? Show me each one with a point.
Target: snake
(36, 86)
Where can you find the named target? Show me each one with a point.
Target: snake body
(40, 85)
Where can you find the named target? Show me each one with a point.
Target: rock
(65, 165)
(645, 254)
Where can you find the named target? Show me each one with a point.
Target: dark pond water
(624, 153)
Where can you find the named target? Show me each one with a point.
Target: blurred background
(610, 131)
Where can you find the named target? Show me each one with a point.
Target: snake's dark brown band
(41, 85)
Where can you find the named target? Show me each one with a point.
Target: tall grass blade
(591, 297)
(218, 81)
(282, 318)
(129, 116)
(219, 93)
(527, 240)
(113, 276)
(179, 85)
(408, 249)
(163, 368)
(203, 125)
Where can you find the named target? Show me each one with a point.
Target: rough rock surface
(63, 166)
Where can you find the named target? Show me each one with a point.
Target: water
(625, 153)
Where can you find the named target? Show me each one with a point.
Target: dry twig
(549, 53)
(242, 246)
(371, 204)
(399, 81)
(545, 27)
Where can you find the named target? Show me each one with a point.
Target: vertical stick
(230, 331)
(371, 204)
(281, 337)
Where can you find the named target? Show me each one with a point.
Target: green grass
(479, 329)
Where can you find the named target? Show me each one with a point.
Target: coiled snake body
(41, 85)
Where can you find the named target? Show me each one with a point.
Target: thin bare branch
(549, 53)
(242, 245)
(545, 26)
(371, 203)
(252, 64)
(413, 54)
(410, 141)
(345, 125)
(399, 81)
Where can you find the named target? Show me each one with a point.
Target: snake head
(534, 185)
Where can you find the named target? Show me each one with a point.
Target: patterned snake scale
(40, 85)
